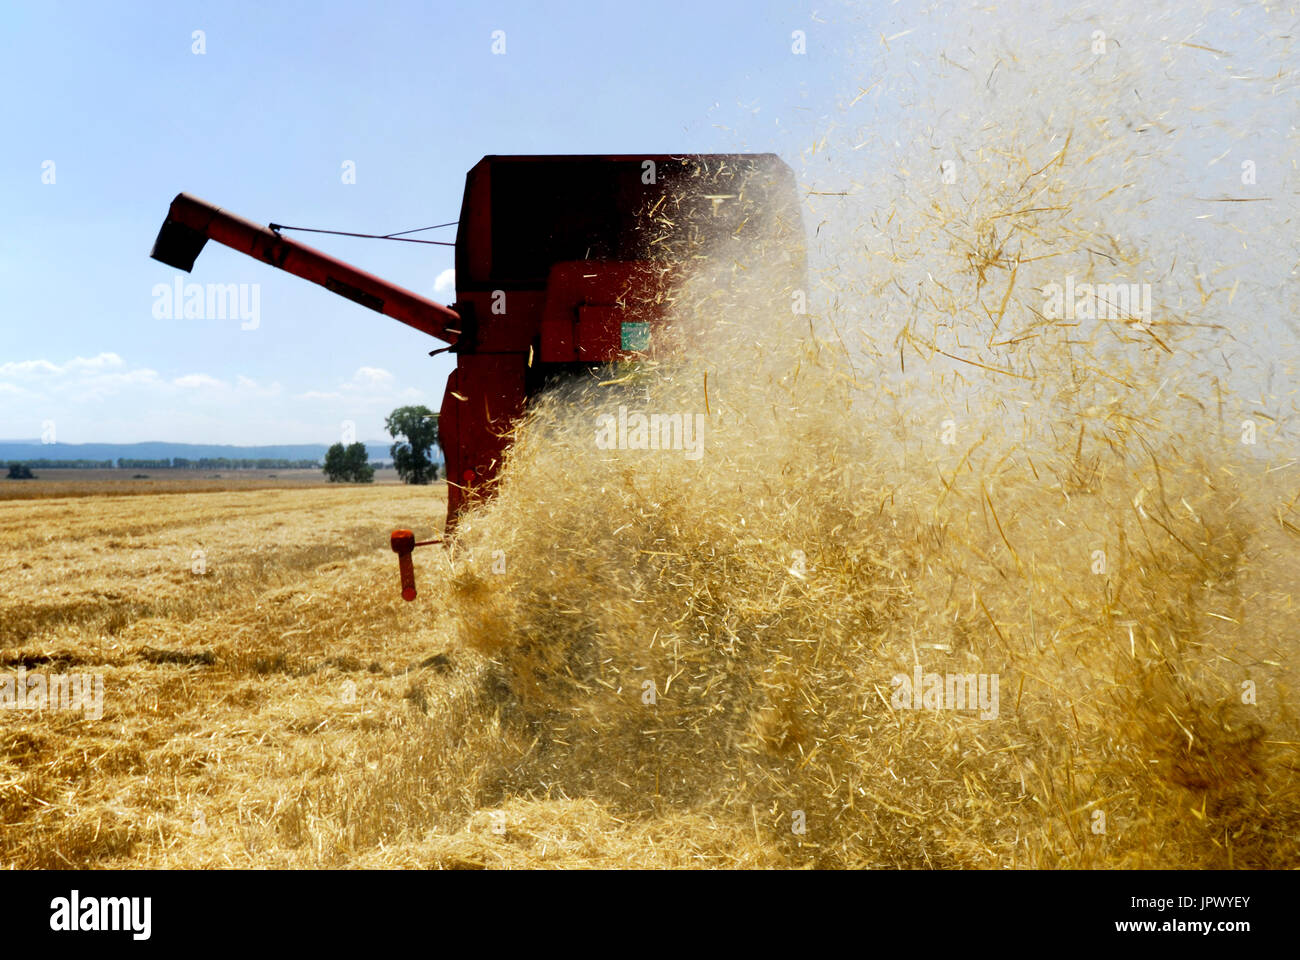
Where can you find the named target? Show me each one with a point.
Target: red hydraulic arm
(192, 222)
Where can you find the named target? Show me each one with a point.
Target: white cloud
(367, 385)
(105, 398)
(368, 390)
(101, 362)
(28, 368)
(247, 385)
(43, 368)
(193, 380)
(370, 378)
(136, 377)
(445, 285)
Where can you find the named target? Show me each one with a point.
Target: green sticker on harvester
(636, 336)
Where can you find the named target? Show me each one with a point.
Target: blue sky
(262, 122)
(112, 100)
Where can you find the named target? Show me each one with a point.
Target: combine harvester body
(563, 263)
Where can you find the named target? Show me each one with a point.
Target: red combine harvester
(563, 263)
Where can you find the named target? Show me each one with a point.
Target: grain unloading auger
(562, 263)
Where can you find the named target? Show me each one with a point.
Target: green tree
(349, 464)
(335, 463)
(416, 431)
(20, 471)
(358, 464)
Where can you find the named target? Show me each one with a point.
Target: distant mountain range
(160, 450)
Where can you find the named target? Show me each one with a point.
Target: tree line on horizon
(415, 430)
(172, 463)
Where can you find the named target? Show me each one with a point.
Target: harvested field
(286, 708)
(222, 689)
(56, 483)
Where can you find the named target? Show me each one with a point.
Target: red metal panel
(588, 302)
(514, 328)
(559, 343)
(485, 395)
(599, 333)
(451, 437)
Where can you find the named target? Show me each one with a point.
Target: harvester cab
(563, 263)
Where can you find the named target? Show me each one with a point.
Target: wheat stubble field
(286, 708)
(69, 482)
(283, 708)
(224, 690)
